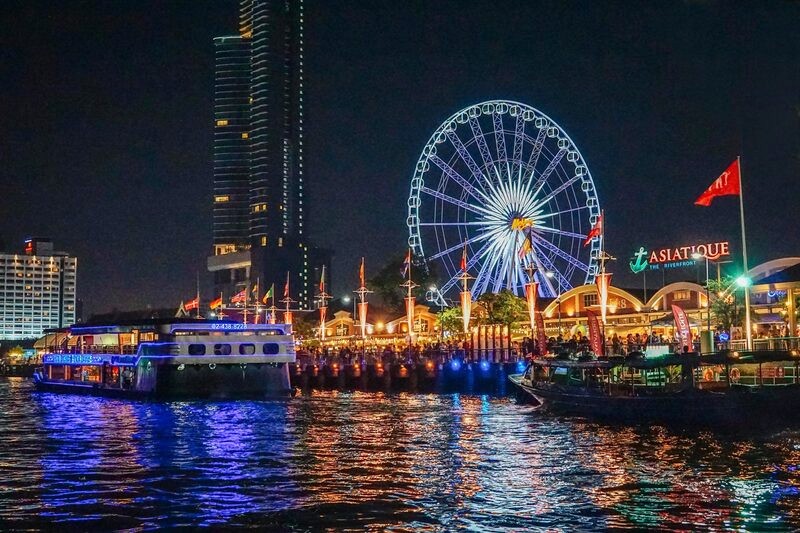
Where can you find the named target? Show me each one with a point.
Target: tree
(502, 308)
(725, 309)
(387, 282)
(451, 321)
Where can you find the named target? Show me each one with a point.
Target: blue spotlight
(455, 364)
(485, 365)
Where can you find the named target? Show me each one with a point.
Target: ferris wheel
(494, 177)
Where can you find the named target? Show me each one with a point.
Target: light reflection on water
(357, 460)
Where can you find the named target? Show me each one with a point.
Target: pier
(454, 375)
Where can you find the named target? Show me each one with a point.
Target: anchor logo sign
(641, 261)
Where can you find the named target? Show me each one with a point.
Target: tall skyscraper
(259, 232)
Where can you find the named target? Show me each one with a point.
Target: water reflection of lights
(361, 461)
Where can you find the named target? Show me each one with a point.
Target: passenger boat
(169, 359)
(718, 388)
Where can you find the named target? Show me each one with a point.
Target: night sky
(106, 131)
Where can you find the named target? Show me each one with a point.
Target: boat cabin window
(197, 349)
(271, 348)
(158, 348)
(247, 349)
(222, 349)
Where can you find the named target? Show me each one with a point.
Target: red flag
(191, 304)
(286, 289)
(684, 329)
(361, 273)
(239, 297)
(595, 336)
(216, 303)
(464, 259)
(727, 184)
(596, 230)
(322, 280)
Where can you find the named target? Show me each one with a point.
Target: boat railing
(772, 344)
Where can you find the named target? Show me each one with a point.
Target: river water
(373, 461)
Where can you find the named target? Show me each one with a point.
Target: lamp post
(551, 275)
(346, 299)
(708, 296)
(440, 301)
(744, 282)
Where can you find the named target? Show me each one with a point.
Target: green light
(743, 281)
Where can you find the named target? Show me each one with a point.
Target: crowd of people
(441, 352)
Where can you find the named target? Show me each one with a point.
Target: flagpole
(749, 333)
(257, 300)
(246, 291)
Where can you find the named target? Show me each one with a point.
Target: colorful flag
(596, 230)
(406, 264)
(270, 294)
(255, 289)
(464, 259)
(191, 304)
(286, 290)
(239, 296)
(216, 303)
(683, 327)
(322, 280)
(595, 335)
(361, 273)
(729, 183)
(526, 247)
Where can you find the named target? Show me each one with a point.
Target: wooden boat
(721, 388)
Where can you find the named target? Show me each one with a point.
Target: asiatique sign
(676, 257)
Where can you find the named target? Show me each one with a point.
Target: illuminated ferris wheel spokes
(490, 175)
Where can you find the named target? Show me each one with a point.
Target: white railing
(769, 344)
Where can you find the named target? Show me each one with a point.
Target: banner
(362, 318)
(322, 311)
(410, 302)
(603, 282)
(541, 337)
(531, 291)
(683, 327)
(595, 336)
(191, 304)
(466, 308)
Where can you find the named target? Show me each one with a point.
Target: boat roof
(173, 325)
